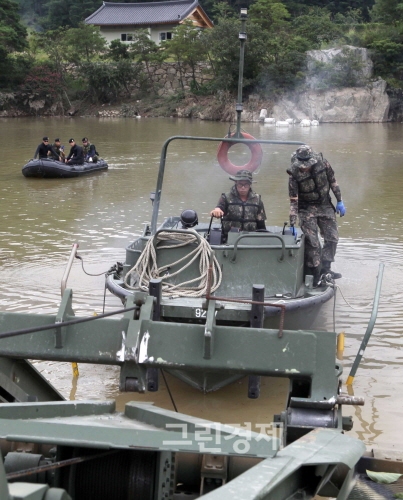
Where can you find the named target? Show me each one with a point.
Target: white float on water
(305, 123)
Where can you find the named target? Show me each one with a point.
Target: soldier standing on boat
(76, 155)
(310, 180)
(241, 208)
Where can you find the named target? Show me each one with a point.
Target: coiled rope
(146, 267)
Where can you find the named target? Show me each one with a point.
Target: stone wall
(168, 78)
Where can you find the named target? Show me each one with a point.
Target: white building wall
(115, 33)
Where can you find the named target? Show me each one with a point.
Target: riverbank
(214, 108)
(373, 103)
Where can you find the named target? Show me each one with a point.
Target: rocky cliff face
(396, 105)
(338, 64)
(366, 101)
(352, 104)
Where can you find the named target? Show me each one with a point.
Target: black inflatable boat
(52, 168)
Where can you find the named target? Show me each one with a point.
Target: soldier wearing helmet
(310, 180)
(241, 208)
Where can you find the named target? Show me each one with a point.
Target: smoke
(339, 67)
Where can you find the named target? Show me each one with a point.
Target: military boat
(200, 279)
(49, 168)
(201, 262)
(208, 280)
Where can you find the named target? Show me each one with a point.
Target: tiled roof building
(117, 20)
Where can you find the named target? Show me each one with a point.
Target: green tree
(68, 13)
(13, 35)
(387, 11)
(188, 48)
(285, 64)
(352, 17)
(13, 39)
(146, 51)
(385, 43)
(300, 7)
(316, 27)
(84, 43)
(223, 10)
(387, 56)
(224, 53)
(271, 15)
(52, 43)
(69, 45)
(107, 82)
(117, 51)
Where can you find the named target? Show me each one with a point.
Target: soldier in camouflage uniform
(59, 150)
(90, 152)
(311, 179)
(241, 208)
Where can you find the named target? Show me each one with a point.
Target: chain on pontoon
(146, 267)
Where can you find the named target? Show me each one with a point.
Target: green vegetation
(14, 64)
(60, 58)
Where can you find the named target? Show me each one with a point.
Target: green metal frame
(161, 171)
(136, 344)
(321, 462)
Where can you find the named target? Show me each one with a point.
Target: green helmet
(242, 175)
(304, 152)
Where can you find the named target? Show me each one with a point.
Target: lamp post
(242, 38)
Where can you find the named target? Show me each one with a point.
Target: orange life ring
(228, 166)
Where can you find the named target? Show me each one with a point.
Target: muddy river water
(41, 219)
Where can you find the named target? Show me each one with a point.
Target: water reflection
(41, 219)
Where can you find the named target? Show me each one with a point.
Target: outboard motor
(189, 219)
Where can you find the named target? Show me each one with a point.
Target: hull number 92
(200, 313)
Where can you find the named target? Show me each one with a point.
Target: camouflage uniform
(241, 214)
(310, 199)
(59, 151)
(90, 152)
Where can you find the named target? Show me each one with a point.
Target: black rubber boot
(328, 272)
(316, 276)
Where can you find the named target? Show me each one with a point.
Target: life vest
(313, 185)
(241, 214)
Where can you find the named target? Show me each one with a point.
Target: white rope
(146, 267)
(348, 303)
